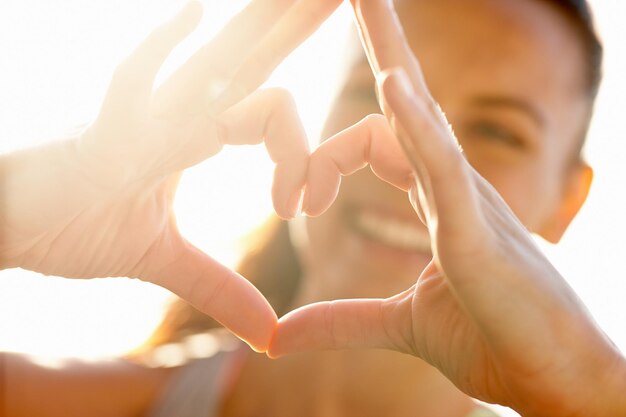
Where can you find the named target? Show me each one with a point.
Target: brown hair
(580, 16)
(579, 12)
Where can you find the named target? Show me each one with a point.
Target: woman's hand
(489, 311)
(100, 204)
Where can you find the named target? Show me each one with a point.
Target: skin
(531, 174)
(489, 311)
(519, 135)
(112, 388)
(555, 194)
(101, 204)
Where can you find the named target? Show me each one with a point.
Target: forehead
(517, 45)
(520, 50)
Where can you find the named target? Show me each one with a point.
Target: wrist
(604, 382)
(592, 384)
(613, 403)
(606, 386)
(35, 190)
(10, 252)
(605, 397)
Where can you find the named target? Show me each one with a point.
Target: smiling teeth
(392, 232)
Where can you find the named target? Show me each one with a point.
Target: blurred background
(56, 62)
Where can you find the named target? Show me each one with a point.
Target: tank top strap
(195, 390)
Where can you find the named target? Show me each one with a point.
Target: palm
(438, 319)
(447, 337)
(112, 237)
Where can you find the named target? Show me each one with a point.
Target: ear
(574, 195)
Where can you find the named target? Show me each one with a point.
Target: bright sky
(56, 63)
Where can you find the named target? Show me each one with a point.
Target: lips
(390, 230)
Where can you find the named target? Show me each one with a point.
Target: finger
(245, 33)
(385, 43)
(178, 146)
(131, 86)
(369, 141)
(221, 56)
(220, 293)
(419, 202)
(434, 154)
(342, 324)
(271, 116)
(228, 49)
(383, 37)
(295, 26)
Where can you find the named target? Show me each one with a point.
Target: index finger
(384, 40)
(256, 40)
(213, 289)
(297, 24)
(346, 324)
(370, 141)
(271, 116)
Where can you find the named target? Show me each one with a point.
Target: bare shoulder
(51, 388)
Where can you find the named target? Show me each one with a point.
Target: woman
(521, 123)
(522, 136)
(489, 311)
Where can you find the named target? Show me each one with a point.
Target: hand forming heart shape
(118, 178)
(488, 310)
(100, 204)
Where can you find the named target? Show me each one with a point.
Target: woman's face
(509, 76)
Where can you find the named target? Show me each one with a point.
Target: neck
(342, 383)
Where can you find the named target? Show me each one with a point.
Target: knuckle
(316, 164)
(262, 60)
(376, 120)
(397, 324)
(281, 98)
(453, 164)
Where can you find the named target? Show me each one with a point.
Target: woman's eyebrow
(512, 103)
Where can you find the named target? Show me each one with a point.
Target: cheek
(529, 189)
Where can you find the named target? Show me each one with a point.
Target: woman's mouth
(390, 230)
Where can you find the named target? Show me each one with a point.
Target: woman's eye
(492, 131)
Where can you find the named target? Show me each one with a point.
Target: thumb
(343, 324)
(220, 293)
